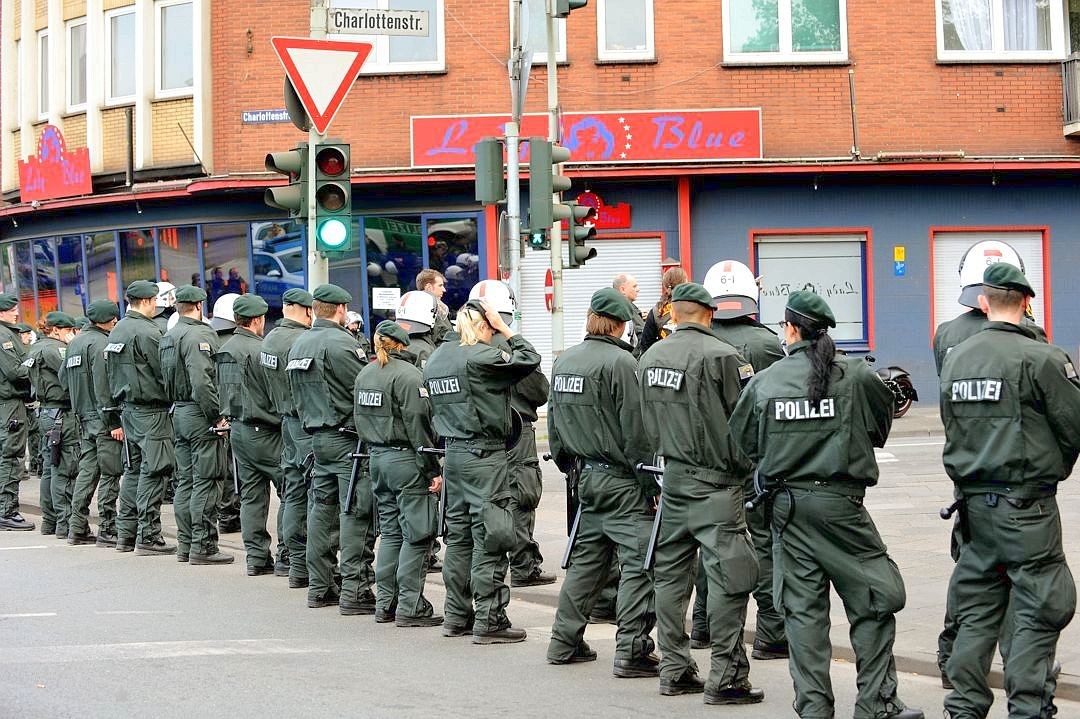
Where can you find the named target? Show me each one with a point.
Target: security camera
(35, 204)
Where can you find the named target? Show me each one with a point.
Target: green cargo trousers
(329, 486)
(408, 518)
(831, 538)
(99, 471)
(615, 520)
(527, 486)
(703, 515)
(258, 456)
(200, 474)
(149, 434)
(769, 627)
(1014, 554)
(58, 481)
(295, 447)
(13, 431)
(479, 533)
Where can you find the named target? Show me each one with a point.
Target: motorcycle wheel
(902, 408)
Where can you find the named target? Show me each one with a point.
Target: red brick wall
(906, 100)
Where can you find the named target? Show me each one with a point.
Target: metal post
(557, 341)
(318, 269)
(513, 173)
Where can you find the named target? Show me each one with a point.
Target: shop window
(178, 255)
(101, 266)
(277, 262)
(24, 261)
(402, 53)
(137, 251)
(43, 75)
(395, 255)
(624, 30)
(7, 269)
(119, 50)
(774, 31)
(175, 40)
(76, 57)
(453, 250)
(225, 261)
(45, 275)
(72, 286)
(981, 30)
(837, 264)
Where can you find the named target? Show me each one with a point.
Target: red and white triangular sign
(322, 72)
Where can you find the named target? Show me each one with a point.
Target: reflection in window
(45, 275)
(25, 278)
(177, 35)
(7, 269)
(225, 261)
(101, 266)
(277, 261)
(394, 258)
(137, 251)
(406, 48)
(178, 250)
(454, 251)
(72, 287)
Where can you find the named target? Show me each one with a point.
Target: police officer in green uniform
(323, 365)
(689, 385)
(190, 379)
(14, 393)
(99, 454)
(469, 384)
(393, 417)
(59, 431)
(735, 291)
(296, 443)
(594, 416)
(255, 431)
(1011, 408)
(810, 423)
(134, 368)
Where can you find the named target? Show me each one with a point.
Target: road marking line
(27, 614)
(917, 444)
(32, 546)
(135, 611)
(884, 457)
(156, 650)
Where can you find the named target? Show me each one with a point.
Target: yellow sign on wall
(899, 253)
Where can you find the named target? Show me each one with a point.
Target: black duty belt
(844, 487)
(614, 470)
(391, 445)
(476, 443)
(260, 425)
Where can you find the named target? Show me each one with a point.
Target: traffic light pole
(318, 268)
(557, 340)
(513, 172)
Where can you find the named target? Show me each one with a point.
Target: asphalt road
(92, 633)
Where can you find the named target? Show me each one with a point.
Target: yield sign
(322, 72)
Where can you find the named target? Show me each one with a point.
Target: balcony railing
(1070, 95)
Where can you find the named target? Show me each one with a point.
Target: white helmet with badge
(224, 319)
(166, 296)
(733, 288)
(498, 295)
(416, 312)
(978, 257)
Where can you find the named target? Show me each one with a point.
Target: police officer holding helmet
(811, 423)
(469, 385)
(1011, 408)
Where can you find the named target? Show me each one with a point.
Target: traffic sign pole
(557, 340)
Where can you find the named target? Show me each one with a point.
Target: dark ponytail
(822, 354)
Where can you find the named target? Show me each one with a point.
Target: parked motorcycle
(899, 383)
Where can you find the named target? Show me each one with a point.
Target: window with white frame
(534, 31)
(624, 30)
(120, 55)
(981, 30)
(401, 53)
(783, 31)
(76, 59)
(43, 74)
(175, 35)
(834, 265)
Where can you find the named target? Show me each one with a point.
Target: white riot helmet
(498, 295)
(454, 273)
(224, 319)
(166, 296)
(980, 256)
(354, 318)
(175, 317)
(733, 288)
(416, 312)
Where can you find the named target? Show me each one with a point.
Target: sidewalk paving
(904, 506)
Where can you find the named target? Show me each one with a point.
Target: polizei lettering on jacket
(444, 385)
(569, 383)
(787, 410)
(369, 398)
(976, 390)
(664, 377)
(268, 360)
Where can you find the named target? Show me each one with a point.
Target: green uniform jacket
(44, 360)
(323, 365)
(1011, 409)
(133, 361)
(469, 386)
(950, 334)
(755, 342)
(187, 365)
(790, 440)
(594, 407)
(421, 347)
(392, 408)
(244, 390)
(85, 378)
(14, 377)
(528, 394)
(689, 385)
(273, 358)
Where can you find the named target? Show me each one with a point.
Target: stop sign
(549, 290)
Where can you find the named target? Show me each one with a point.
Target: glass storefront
(70, 266)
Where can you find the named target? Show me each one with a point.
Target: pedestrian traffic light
(490, 185)
(333, 198)
(581, 229)
(292, 197)
(544, 181)
(538, 240)
(563, 8)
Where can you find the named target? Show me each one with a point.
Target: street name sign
(322, 72)
(354, 21)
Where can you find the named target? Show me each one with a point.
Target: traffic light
(563, 8)
(291, 197)
(333, 198)
(581, 229)
(538, 240)
(544, 180)
(490, 186)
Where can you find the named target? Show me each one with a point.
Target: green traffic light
(332, 234)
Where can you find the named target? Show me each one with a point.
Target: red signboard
(646, 136)
(608, 217)
(55, 171)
